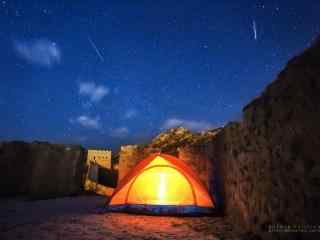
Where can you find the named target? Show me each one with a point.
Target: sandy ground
(84, 218)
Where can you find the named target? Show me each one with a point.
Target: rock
(171, 139)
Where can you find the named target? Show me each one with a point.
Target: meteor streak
(94, 46)
(255, 30)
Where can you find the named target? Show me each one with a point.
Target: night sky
(104, 73)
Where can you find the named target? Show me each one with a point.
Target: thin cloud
(189, 124)
(130, 113)
(87, 122)
(116, 91)
(40, 51)
(120, 132)
(95, 92)
(81, 139)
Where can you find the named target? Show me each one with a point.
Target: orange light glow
(161, 180)
(162, 188)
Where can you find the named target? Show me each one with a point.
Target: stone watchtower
(100, 157)
(98, 161)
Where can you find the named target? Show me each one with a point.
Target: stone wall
(57, 170)
(15, 165)
(200, 158)
(41, 170)
(269, 162)
(129, 156)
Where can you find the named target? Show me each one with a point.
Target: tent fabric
(161, 184)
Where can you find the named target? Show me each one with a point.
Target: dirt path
(82, 218)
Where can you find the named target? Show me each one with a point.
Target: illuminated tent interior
(161, 184)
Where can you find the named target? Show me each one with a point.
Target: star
(17, 13)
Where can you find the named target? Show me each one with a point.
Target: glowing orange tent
(161, 184)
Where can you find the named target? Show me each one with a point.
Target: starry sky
(105, 73)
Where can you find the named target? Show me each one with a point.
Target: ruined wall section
(270, 160)
(40, 169)
(129, 156)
